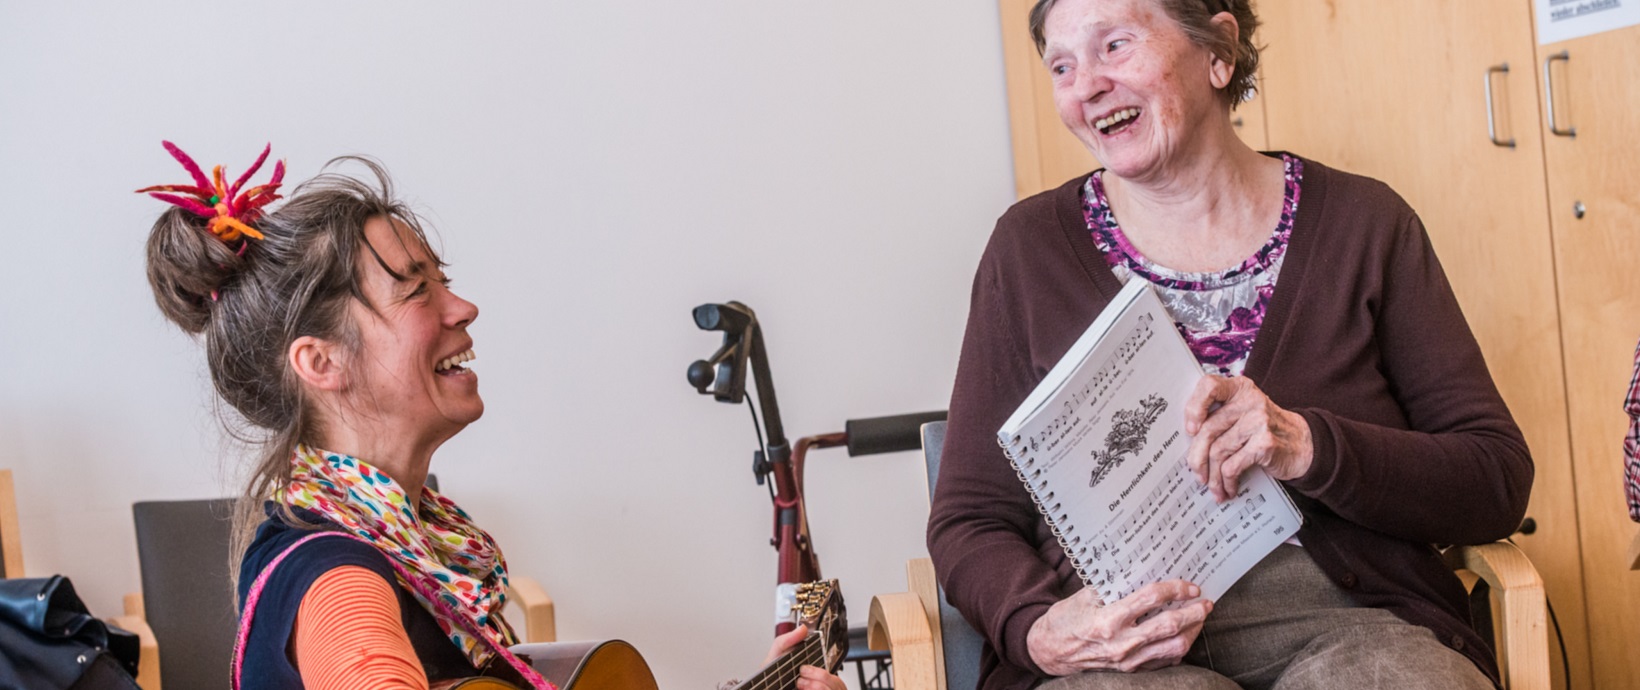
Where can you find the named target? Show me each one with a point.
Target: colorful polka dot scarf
(454, 568)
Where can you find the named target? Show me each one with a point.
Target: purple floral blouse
(1631, 442)
(1219, 313)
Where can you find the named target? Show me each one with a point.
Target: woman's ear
(1223, 67)
(317, 363)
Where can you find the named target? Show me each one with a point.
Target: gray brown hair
(249, 307)
(1196, 18)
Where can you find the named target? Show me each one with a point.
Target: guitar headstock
(819, 606)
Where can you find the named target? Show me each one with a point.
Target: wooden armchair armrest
(134, 621)
(899, 624)
(1523, 644)
(907, 624)
(540, 618)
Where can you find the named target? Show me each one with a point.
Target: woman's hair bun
(188, 268)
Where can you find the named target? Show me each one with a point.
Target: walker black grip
(888, 434)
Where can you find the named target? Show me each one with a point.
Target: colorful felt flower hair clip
(232, 213)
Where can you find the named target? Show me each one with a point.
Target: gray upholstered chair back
(961, 642)
(182, 547)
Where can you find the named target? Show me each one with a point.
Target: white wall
(594, 169)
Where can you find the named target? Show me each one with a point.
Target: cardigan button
(1457, 642)
(1349, 581)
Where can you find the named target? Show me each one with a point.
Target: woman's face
(1130, 84)
(401, 380)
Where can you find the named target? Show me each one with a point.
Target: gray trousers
(1286, 626)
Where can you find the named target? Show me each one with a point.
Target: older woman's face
(1130, 84)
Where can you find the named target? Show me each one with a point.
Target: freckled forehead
(1070, 20)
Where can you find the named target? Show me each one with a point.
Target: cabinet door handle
(1549, 93)
(1491, 106)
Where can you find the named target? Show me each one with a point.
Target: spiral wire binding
(1056, 525)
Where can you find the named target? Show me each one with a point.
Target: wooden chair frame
(11, 541)
(908, 623)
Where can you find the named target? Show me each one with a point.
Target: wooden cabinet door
(1597, 93)
(1046, 154)
(1396, 90)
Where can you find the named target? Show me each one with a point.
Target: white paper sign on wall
(1560, 20)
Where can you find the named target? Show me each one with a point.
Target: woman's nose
(1089, 82)
(461, 312)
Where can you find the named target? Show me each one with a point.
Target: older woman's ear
(317, 363)
(1223, 67)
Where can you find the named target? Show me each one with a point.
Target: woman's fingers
(1162, 653)
(1161, 640)
(1211, 433)
(1237, 451)
(786, 642)
(815, 678)
(1129, 609)
(1210, 412)
(1210, 391)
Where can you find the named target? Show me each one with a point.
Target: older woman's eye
(1113, 45)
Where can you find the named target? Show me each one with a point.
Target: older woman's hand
(1081, 634)
(808, 677)
(1236, 427)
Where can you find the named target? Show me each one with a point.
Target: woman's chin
(471, 412)
(464, 411)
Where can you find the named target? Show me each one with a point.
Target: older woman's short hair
(1196, 18)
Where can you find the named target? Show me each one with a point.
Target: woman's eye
(1113, 45)
(1059, 70)
(421, 289)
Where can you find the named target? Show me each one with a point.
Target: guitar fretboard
(783, 673)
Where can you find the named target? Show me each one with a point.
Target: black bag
(48, 641)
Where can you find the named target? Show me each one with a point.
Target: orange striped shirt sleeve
(349, 635)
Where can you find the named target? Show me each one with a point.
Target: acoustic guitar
(616, 665)
(820, 607)
(599, 665)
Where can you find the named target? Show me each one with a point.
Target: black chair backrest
(183, 550)
(182, 547)
(962, 644)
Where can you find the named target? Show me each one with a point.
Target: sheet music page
(1104, 457)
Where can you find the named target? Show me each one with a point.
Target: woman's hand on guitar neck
(812, 677)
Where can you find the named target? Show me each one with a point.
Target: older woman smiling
(1339, 362)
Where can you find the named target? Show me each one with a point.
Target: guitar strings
(786, 671)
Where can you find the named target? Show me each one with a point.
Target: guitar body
(597, 665)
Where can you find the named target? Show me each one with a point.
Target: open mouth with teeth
(451, 366)
(1117, 121)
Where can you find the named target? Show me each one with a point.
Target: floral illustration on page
(1129, 432)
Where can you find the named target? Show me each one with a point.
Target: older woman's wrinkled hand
(1082, 634)
(1236, 427)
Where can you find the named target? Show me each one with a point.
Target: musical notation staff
(1176, 531)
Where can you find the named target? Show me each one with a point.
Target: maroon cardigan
(1364, 339)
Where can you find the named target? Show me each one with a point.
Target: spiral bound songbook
(1100, 444)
